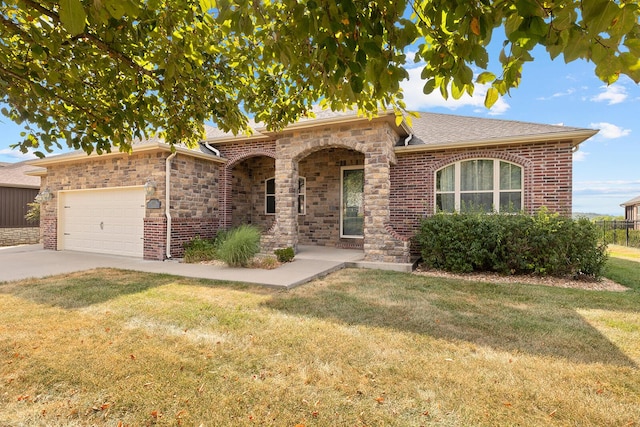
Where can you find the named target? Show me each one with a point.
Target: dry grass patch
(625, 252)
(356, 348)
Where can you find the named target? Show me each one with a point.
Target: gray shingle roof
(438, 129)
(13, 175)
(632, 202)
(434, 128)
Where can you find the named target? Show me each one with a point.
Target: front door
(352, 200)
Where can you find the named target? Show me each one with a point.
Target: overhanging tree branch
(99, 43)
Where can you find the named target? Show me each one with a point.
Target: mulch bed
(603, 284)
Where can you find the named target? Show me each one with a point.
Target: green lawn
(624, 271)
(356, 348)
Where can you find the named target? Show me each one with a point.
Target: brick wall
(96, 172)
(547, 169)
(182, 231)
(321, 223)
(194, 194)
(248, 191)
(49, 232)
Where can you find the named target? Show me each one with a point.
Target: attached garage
(106, 221)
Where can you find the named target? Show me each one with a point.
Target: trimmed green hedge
(544, 244)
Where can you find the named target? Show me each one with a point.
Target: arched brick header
(226, 180)
(526, 164)
(500, 155)
(327, 143)
(232, 161)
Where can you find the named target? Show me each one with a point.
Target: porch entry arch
(226, 186)
(374, 147)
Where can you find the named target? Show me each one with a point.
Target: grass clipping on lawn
(358, 347)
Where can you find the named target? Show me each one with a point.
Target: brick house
(335, 180)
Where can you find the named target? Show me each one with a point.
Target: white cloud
(603, 196)
(610, 131)
(568, 92)
(580, 156)
(417, 100)
(613, 94)
(614, 186)
(15, 155)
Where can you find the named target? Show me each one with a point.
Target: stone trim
(19, 236)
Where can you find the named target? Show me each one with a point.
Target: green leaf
(491, 97)
(207, 5)
(457, 89)
(485, 77)
(577, 46)
(72, 16)
(633, 45)
(599, 15)
(429, 86)
(609, 70)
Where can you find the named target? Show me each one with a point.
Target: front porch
(326, 188)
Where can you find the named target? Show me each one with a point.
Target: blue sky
(606, 168)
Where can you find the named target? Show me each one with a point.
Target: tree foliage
(95, 73)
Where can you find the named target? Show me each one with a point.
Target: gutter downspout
(167, 202)
(213, 149)
(407, 139)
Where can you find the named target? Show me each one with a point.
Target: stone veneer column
(285, 232)
(377, 186)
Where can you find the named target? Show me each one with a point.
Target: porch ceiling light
(150, 188)
(44, 196)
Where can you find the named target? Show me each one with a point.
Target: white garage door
(109, 221)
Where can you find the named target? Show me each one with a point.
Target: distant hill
(591, 215)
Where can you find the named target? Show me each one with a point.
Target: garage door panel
(103, 221)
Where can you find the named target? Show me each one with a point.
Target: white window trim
(342, 169)
(304, 194)
(496, 184)
(302, 207)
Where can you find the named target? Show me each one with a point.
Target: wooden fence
(13, 207)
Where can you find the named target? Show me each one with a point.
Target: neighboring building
(632, 209)
(16, 190)
(336, 180)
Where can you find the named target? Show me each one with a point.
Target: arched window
(487, 185)
(270, 196)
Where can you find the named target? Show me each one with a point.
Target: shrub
(239, 246)
(285, 254)
(198, 249)
(268, 262)
(544, 244)
(33, 213)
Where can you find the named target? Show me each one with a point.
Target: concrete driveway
(31, 261)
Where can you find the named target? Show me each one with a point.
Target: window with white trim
(487, 185)
(270, 196)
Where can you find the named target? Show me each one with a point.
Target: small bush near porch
(543, 244)
(359, 347)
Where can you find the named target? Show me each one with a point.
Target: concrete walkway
(31, 261)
